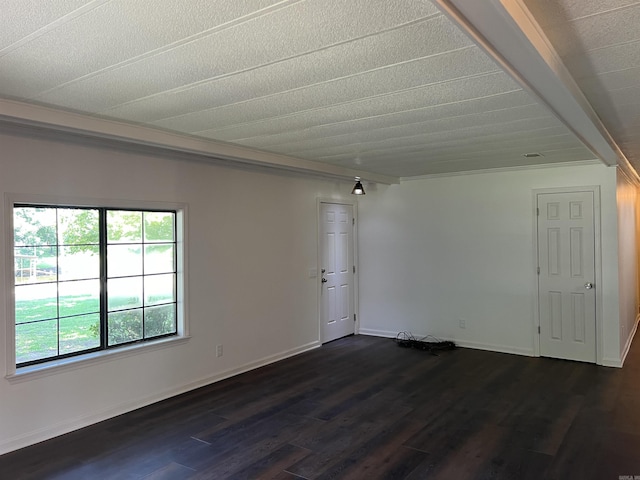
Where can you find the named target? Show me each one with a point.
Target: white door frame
(356, 309)
(595, 189)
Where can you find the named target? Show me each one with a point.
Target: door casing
(595, 189)
(354, 205)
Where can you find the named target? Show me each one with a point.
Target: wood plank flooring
(363, 408)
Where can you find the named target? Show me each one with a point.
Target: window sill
(55, 367)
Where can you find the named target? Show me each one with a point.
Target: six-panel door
(566, 282)
(337, 295)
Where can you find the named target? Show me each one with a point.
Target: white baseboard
(377, 333)
(67, 426)
(461, 343)
(627, 346)
(611, 362)
(527, 352)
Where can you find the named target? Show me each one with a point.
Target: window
(90, 279)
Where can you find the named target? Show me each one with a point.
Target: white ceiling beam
(507, 31)
(20, 113)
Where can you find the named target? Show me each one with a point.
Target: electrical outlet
(462, 323)
(219, 351)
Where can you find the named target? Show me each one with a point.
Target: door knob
(324, 280)
(588, 285)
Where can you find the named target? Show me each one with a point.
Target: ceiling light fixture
(358, 189)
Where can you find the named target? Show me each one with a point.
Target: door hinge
(353, 221)
(354, 269)
(537, 212)
(538, 329)
(538, 270)
(354, 317)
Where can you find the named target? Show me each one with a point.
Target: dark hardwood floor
(364, 408)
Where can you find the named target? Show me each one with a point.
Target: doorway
(337, 270)
(567, 233)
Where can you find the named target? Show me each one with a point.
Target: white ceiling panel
(445, 150)
(550, 12)
(410, 75)
(431, 126)
(440, 144)
(30, 16)
(311, 148)
(530, 141)
(115, 33)
(439, 93)
(491, 152)
(386, 86)
(623, 101)
(284, 125)
(599, 42)
(415, 167)
(604, 60)
(498, 158)
(612, 27)
(611, 81)
(299, 28)
(395, 47)
(616, 106)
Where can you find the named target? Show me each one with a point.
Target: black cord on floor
(429, 343)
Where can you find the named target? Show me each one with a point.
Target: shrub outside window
(90, 279)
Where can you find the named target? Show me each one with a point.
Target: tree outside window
(88, 279)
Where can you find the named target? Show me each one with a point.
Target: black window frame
(103, 243)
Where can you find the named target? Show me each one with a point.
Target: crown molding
(37, 116)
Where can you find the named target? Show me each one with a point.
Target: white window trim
(55, 366)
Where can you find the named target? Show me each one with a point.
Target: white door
(566, 280)
(337, 271)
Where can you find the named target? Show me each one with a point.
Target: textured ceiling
(391, 87)
(599, 42)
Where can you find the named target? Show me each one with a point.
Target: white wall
(627, 199)
(249, 254)
(431, 252)
(439, 250)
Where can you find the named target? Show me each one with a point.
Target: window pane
(159, 320)
(124, 293)
(158, 226)
(76, 263)
(159, 289)
(79, 333)
(34, 226)
(124, 226)
(59, 283)
(36, 302)
(124, 260)
(35, 264)
(125, 326)
(78, 227)
(159, 258)
(36, 340)
(78, 298)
